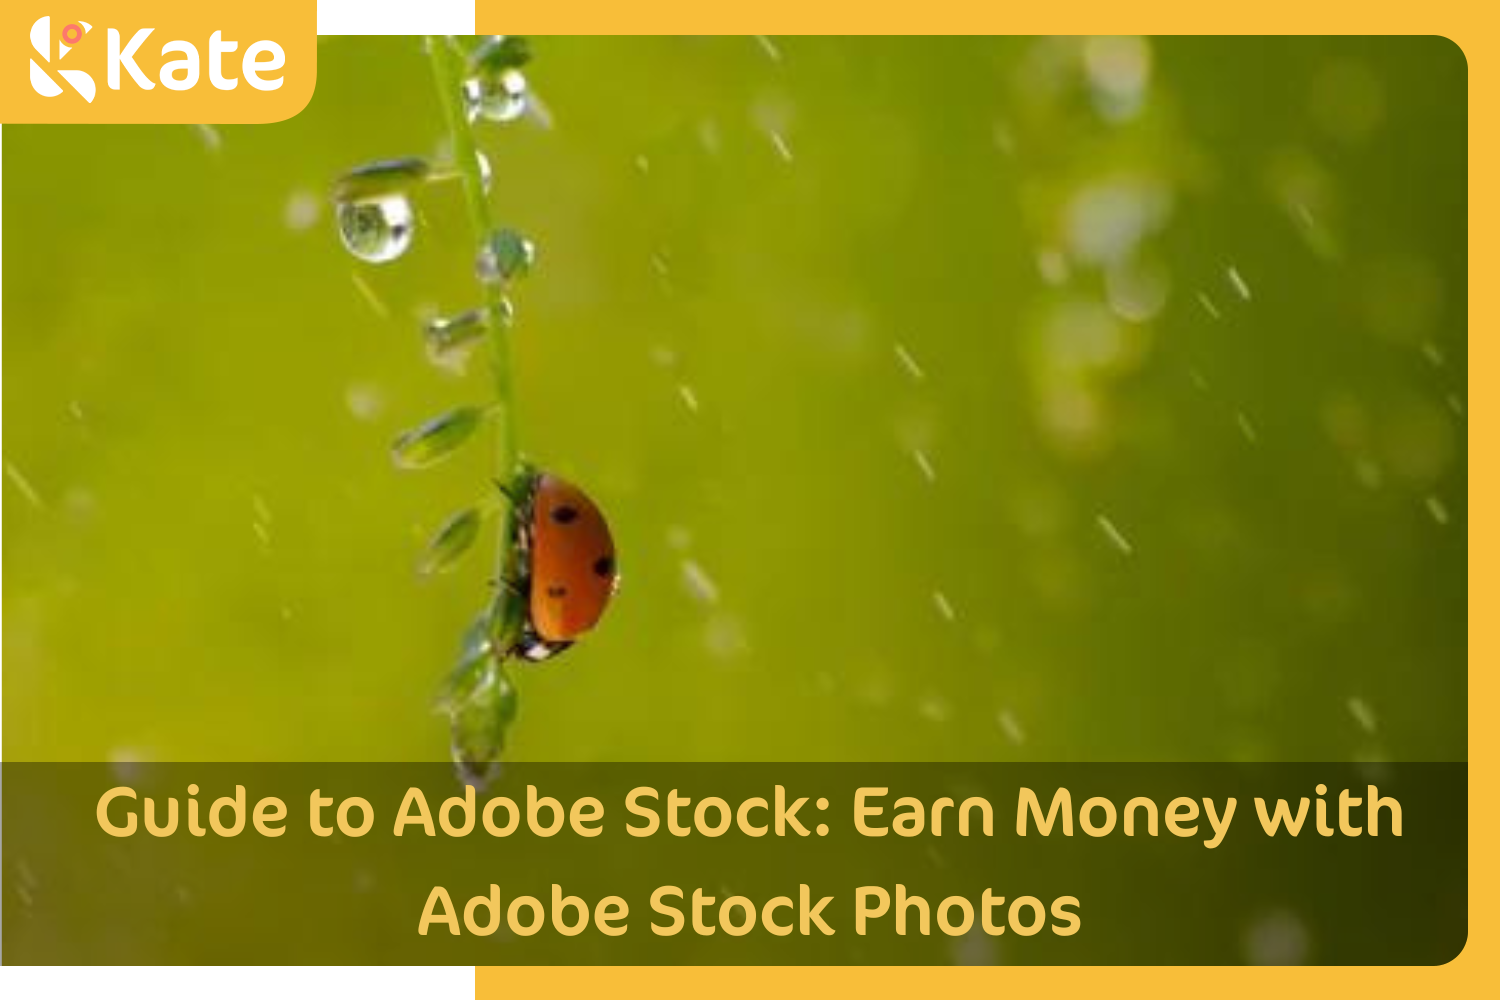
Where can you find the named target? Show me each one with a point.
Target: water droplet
(1246, 427)
(506, 255)
(768, 47)
(129, 765)
(261, 522)
(1369, 473)
(23, 484)
(481, 709)
(924, 464)
(301, 211)
(451, 339)
(699, 583)
(436, 439)
(783, 150)
(498, 53)
(382, 178)
(1278, 938)
(909, 363)
(365, 401)
(212, 139)
(724, 637)
(1052, 265)
(497, 97)
(1116, 538)
(368, 294)
(1136, 289)
(1363, 714)
(1108, 220)
(935, 708)
(486, 172)
(474, 648)
(1238, 282)
(1010, 727)
(1208, 305)
(975, 948)
(448, 544)
(378, 230)
(944, 608)
(1119, 68)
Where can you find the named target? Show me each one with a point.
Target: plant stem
(448, 72)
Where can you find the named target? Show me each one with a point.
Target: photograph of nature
(736, 399)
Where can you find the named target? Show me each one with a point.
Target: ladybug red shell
(567, 562)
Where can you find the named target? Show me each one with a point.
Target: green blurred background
(1048, 399)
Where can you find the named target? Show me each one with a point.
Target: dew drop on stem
(498, 53)
(377, 230)
(483, 708)
(451, 339)
(381, 178)
(505, 255)
(449, 543)
(496, 97)
(436, 439)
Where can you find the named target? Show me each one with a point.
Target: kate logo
(41, 40)
(192, 62)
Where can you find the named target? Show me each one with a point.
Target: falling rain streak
(909, 363)
(1011, 727)
(1247, 429)
(699, 583)
(1363, 714)
(1238, 283)
(924, 464)
(24, 485)
(1118, 540)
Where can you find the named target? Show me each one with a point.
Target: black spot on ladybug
(564, 514)
(604, 566)
(557, 591)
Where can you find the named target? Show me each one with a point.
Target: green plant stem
(448, 72)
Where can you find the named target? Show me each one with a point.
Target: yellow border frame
(1475, 972)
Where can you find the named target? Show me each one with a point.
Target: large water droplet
(383, 177)
(377, 230)
(449, 543)
(506, 255)
(436, 439)
(497, 97)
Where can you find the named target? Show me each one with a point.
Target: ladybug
(567, 565)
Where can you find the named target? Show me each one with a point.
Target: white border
(395, 17)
